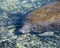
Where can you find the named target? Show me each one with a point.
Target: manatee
(46, 18)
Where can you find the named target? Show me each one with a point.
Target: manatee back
(45, 14)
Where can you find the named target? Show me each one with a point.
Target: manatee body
(46, 18)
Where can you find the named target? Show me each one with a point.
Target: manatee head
(46, 18)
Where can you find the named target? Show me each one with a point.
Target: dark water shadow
(19, 23)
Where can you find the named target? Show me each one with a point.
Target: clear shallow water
(11, 21)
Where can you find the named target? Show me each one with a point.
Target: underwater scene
(29, 23)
